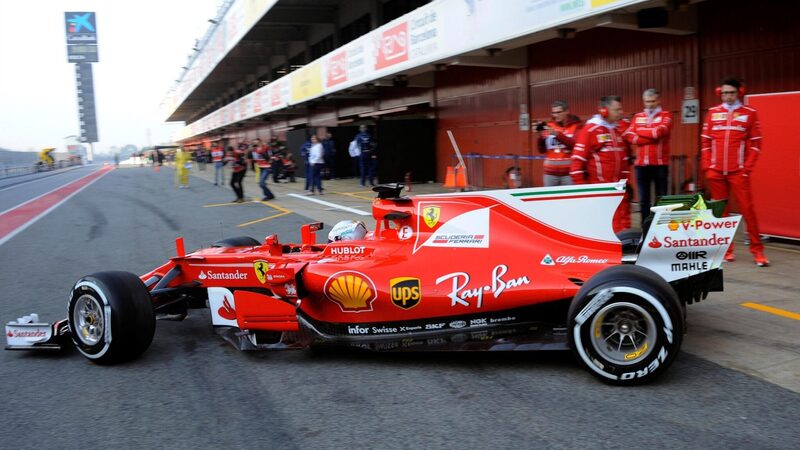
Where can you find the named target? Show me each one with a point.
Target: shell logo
(352, 291)
(673, 226)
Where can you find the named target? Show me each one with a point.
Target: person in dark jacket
(239, 168)
(329, 154)
(368, 158)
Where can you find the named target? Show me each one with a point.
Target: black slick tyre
(111, 317)
(238, 241)
(626, 325)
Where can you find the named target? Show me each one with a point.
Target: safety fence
(8, 171)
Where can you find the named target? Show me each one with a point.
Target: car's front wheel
(111, 317)
(626, 325)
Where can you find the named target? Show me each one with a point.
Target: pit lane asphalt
(192, 389)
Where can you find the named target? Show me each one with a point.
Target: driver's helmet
(347, 230)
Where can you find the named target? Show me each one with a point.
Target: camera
(540, 126)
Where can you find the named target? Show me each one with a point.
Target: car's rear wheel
(626, 325)
(111, 317)
(630, 240)
(237, 241)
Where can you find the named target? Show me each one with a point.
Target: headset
(718, 90)
(603, 112)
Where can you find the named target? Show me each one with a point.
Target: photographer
(557, 138)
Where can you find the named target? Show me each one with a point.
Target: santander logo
(654, 243)
(227, 311)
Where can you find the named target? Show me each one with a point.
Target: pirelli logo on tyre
(405, 292)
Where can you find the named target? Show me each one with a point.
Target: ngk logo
(392, 46)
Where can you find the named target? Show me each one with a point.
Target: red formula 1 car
(519, 269)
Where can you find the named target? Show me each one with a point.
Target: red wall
(481, 107)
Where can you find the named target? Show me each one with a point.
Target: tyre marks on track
(20, 217)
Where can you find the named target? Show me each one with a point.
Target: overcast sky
(142, 46)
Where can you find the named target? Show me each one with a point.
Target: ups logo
(405, 292)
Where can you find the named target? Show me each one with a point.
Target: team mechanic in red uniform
(731, 143)
(557, 138)
(649, 132)
(601, 156)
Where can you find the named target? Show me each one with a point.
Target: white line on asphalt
(332, 205)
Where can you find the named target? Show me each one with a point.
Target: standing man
(367, 159)
(182, 163)
(329, 150)
(649, 132)
(261, 159)
(317, 161)
(557, 138)
(731, 143)
(304, 153)
(600, 155)
(238, 168)
(217, 157)
(355, 152)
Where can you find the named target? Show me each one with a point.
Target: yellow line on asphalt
(771, 310)
(273, 206)
(214, 205)
(356, 194)
(773, 247)
(264, 219)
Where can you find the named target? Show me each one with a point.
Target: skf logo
(431, 215)
(406, 292)
(352, 291)
(261, 268)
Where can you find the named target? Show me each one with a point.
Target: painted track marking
(331, 205)
(20, 217)
(772, 310)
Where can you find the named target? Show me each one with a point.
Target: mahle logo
(405, 292)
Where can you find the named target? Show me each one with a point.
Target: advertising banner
(81, 27)
(307, 82)
(432, 33)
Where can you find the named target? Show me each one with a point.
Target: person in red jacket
(557, 138)
(600, 154)
(731, 143)
(649, 132)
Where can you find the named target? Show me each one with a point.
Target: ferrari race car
(516, 269)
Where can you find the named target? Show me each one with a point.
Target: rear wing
(681, 244)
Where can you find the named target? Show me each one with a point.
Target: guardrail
(12, 171)
(8, 171)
